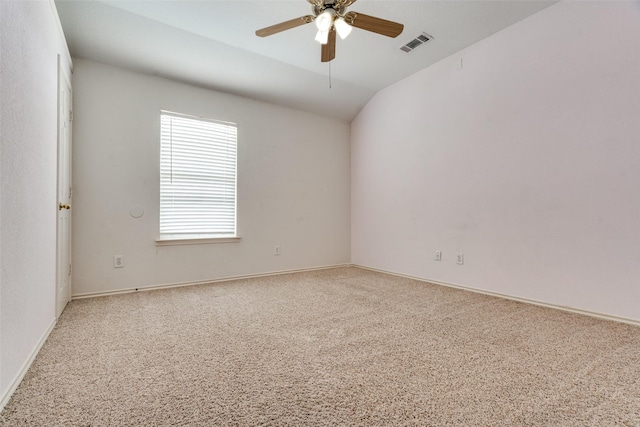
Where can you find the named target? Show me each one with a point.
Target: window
(197, 178)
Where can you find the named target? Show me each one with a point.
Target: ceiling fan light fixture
(333, 20)
(325, 20)
(322, 37)
(342, 27)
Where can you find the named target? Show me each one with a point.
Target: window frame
(165, 239)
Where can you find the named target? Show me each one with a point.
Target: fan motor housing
(339, 6)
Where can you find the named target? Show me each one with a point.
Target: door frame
(64, 84)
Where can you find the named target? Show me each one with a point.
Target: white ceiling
(213, 44)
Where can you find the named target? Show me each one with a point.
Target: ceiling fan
(331, 17)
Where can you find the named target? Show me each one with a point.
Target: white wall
(30, 44)
(293, 184)
(527, 160)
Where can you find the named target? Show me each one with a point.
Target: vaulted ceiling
(212, 44)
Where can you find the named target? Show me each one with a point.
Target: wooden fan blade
(373, 24)
(329, 49)
(286, 25)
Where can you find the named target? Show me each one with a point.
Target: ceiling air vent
(418, 41)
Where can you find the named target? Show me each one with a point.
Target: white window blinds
(197, 177)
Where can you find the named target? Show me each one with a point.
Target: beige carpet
(335, 347)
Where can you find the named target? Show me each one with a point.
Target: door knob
(63, 206)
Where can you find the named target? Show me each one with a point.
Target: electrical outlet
(460, 258)
(438, 256)
(276, 250)
(118, 261)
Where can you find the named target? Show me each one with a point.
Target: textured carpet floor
(334, 347)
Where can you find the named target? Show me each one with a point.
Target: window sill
(195, 241)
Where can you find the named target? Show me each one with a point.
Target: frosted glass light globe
(322, 37)
(342, 28)
(325, 20)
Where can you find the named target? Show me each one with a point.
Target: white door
(63, 281)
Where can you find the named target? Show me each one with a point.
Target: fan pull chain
(329, 74)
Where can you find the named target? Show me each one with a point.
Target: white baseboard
(25, 367)
(604, 316)
(202, 282)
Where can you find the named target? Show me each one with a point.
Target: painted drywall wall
(293, 184)
(524, 156)
(30, 44)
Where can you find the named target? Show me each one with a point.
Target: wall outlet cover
(118, 261)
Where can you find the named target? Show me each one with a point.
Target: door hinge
(69, 269)
(71, 115)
